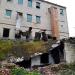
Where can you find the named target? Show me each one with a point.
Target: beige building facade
(38, 14)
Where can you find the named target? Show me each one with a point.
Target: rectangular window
(38, 5)
(29, 18)
(8, 12)
(20, 1)
(61, 12)
(29, 3)
(38, 19)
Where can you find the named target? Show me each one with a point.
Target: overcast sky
(70, 4)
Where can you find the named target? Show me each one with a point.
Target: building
(38, 14)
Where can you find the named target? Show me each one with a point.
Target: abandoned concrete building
(39, 14)
(35, 19)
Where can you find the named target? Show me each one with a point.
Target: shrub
(19, 71)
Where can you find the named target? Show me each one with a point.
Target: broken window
(38, 5)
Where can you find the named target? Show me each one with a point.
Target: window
(8, 12)
(38, 19)
(38, 5)
(29, 3)
(29, 18)
(61, 12)
(20, 1)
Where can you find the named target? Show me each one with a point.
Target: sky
(70, 4)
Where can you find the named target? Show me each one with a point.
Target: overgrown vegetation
(5, 47)
(68, 69)
(20, 48)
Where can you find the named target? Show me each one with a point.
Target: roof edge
(52, 3)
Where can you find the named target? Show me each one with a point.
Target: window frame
(29, 3)
(38, 19)
(7, 11)
(29, 17)
(20, 3)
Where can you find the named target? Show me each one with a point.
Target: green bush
(35, 73)
(21, 71)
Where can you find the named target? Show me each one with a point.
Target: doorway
(6, 32)
(55, 55)
(45, 58)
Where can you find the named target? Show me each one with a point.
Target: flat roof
(52, 3)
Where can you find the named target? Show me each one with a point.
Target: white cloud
(70, 4)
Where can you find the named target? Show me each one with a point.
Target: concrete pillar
(12, 33)
(1, 32)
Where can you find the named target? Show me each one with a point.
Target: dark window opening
(25, 63)
(37, 36)
(62, 12)
(45, 58)
(38, 5)
(6, 32)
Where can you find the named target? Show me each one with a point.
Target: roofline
(52, 3)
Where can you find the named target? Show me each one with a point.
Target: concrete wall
(70, 52)
(35, 61)
(43, 12)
